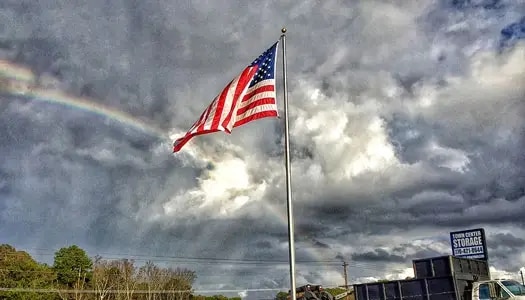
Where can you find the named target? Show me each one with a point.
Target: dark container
(463, 268)
(437, 278)
(436, 288)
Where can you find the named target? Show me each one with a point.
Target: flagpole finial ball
(283, 30)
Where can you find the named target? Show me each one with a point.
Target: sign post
(469, 243)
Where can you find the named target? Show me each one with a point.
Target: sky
(406, 123)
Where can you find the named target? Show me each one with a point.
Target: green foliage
(281, 296)
(214, 297)
(72, 264)
(19, 270)
(74, 271)
(335, 291)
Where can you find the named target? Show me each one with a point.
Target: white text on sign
(467, 239)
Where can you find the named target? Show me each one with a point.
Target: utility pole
(522, 281)
(346, 275)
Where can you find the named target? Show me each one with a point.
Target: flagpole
(291, 244)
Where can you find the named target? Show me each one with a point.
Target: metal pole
(522, 281)
(291, 245)
(346, 275)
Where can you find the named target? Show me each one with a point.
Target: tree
(281, 296)
(151, 279)
(19, 270)
(217, 297)
(71, 264)
(214, 297)
(105, 277)
(127, 279)
(179, 280)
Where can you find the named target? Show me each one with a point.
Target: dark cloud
(263, 244)
(501, 249)
(378, 255)
(321, 244)
(486, 4)
(508, 240)
(410, 137)
(513, 32)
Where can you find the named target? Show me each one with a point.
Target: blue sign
(469, 244)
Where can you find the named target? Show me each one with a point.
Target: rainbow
(16, 80)
(20, 81)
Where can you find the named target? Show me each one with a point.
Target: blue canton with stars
(266, 63)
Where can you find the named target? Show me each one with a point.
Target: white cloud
(345, 139)
(409, 272)
(502, 274)
(453, 159)
(243, 294)
(476, 103)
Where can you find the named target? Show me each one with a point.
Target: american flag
(248, 97)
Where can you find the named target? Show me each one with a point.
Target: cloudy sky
(407, 122)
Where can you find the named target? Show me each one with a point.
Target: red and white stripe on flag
(248, 97)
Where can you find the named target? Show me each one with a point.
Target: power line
(217, 260)
(207, 260)
(367, 266)
(213, 275)
(33, 290)
(93, 291)
(376, 269)
(142, 257)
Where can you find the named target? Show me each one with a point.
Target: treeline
(75, 276)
